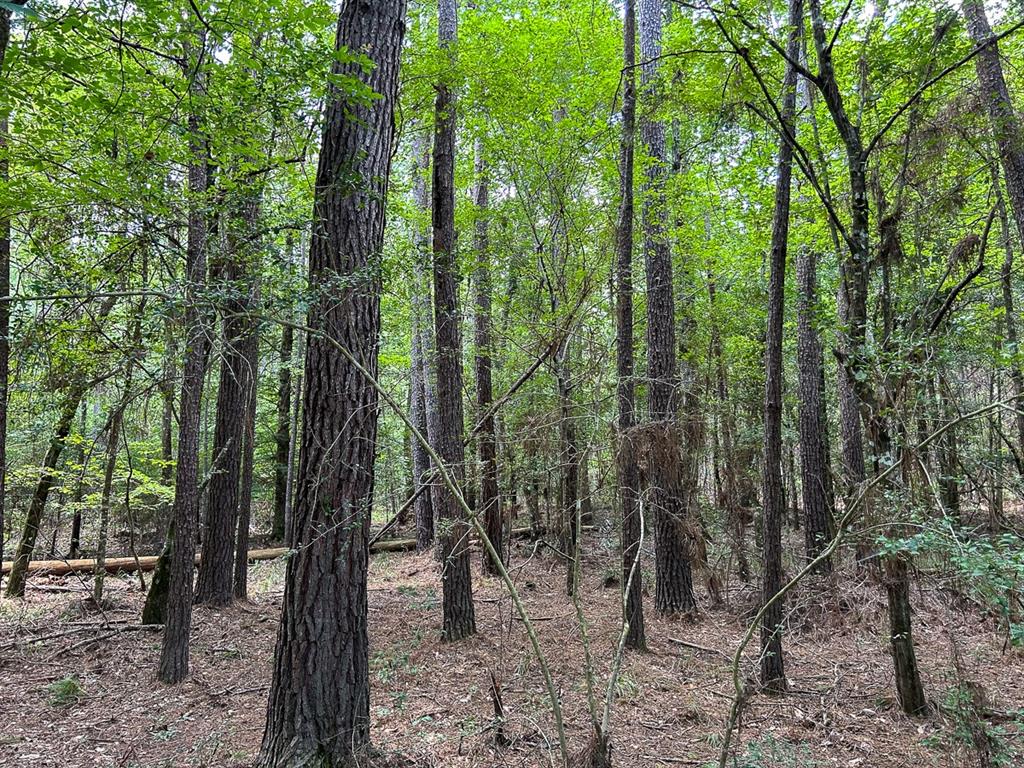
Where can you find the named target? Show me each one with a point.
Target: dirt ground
(80, 690)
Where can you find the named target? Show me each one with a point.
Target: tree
(422, 382)
(320, 696)
(627, 472)
(237, 379)
(1005, 125)
(773, 675)
(673, 576)
(815, 469)
(459, 620)
(174, 654)
(489, 503)
(5, 277)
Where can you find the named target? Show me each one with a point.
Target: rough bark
(282, 435)
(489, 505)
(422, 380)
(319, 707)
(215, 586)
(673, 534)
(812, 424)
(174, 654)
(773, 677)
(1006, 128)
(250, 351)
(459, 619)
(627, 471)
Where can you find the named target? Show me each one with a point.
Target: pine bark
(424, 411)
(174, 654)
(674, 532)
(215, 584)
(773, 676)
(282, 435)
(489, 503)
(627, 471)
(459, 619)
(250, 351)
(815, 469)
(319, 707)
(1006, 127)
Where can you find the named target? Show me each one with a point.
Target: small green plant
(770, 752)
(64, 692)
(626, 687)
(992, 743)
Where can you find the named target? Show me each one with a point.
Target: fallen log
(128, 564)
(148, 563)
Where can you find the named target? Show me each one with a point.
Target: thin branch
(932, 81)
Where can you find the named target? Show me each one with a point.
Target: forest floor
(77, 695)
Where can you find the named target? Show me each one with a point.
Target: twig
(702, 648)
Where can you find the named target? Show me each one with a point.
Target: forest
(569, 383)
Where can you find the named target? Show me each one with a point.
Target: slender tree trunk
(282, 435)
(75, 544)
(1009, 318)
(628, 474)
(293, 450)
(215, 584)
(319, 707)
(729, 502)
(489, 502)
(815, 470)
(5, 283)
(773, 676)
(251, 352)
(113, 444)
(858, 363)
(674, 534)
(459, 619)
(1005, 124)
(424, 410)
(47, 477)
(174, 656)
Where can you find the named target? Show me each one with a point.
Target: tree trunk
(1006, 128)
(773, 676)
(251, 353)
(282, 435)
(215, 584)
(47, 476)
(75, 545)
(673, 532)
(1009, 318)
(319, 707)
(5, 283)
(627, 471)
(459, 620)
(729, 501)
(815, 469)
(858, 363)
(489, 503)
(424, 411)
(113, 440)
(174, 655)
